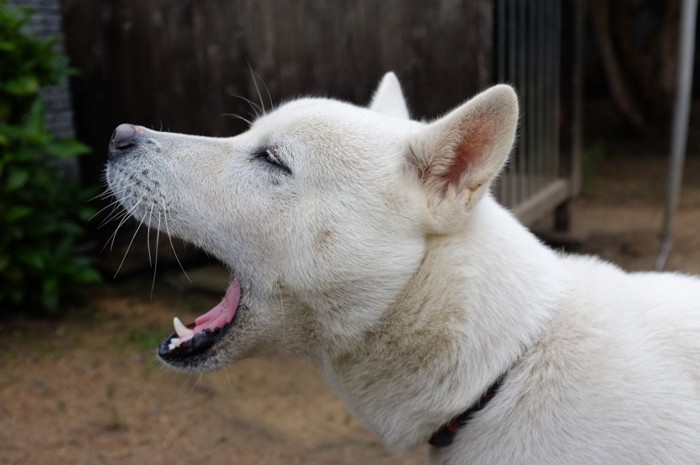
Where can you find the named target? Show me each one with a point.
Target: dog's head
(322, 210)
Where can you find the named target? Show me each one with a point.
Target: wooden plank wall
(177, 65)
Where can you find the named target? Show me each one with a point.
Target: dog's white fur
(384, 260)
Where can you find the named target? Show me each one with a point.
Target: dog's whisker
(120, 197)
(228, 378)
(186, 382)
(267, 89)
(257, 88)
(107, 193)
(237, 116)
(148, 235)
(257, 109)
(195, 385)
(247, 100)
(172, 246)
(284, 327)
(121, 216)
(110, 205)
(127, 215)
(155, 257)
(113, 237)
(102, 195)
(116, 214)
(124, 218)
(129, 246)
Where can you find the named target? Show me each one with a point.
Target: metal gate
(528, 55)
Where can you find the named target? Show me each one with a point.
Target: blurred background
(82, 306)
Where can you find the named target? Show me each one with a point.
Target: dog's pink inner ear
(471, 154)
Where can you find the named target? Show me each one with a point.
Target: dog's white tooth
(174, 343)
(180, 328)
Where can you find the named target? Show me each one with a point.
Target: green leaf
(16, 213)
(66, 148)
(7, 46)
(34, 120)
(12, 132)
(85, 213)
(22, 86)
(17, 178)
(33, 258)
(70, 229)
(88, 276)
(49, 295)
(5, 110)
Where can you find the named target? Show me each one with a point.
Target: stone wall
(46, 23)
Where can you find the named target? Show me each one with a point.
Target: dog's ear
(457, 156)
(388, 98)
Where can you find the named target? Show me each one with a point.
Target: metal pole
(680, 125)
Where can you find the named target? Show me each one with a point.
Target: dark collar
(446, 434)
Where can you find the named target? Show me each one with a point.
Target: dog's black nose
(124, 137)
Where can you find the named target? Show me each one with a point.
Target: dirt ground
(86, 389)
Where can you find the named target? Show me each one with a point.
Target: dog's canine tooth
(181, 330)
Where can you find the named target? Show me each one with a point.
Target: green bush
(41, 213)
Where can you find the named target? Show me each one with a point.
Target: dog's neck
(475, 304)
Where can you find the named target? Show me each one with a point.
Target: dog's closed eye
(270, 157)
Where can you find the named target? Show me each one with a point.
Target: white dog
(369, 244)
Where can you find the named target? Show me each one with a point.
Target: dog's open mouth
(199, 336)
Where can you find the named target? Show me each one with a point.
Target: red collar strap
(446, 434)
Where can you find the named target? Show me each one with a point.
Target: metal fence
(527, 48)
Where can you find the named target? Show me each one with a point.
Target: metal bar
(556, 67)
(547, 93)
(512, 76)
(540, 92)
(530, 60)
(500, 41)
(501, 76)
(551, 101)
(542, 202)
(680, 125)
(527, 56)
(522, 79)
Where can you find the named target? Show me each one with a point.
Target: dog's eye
(269, 156)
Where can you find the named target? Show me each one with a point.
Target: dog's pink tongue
(221, 314)
(216, 318)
